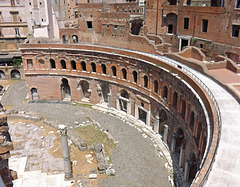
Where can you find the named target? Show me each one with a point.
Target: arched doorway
(85, 90)
(34, 94)
(171, 23)
(162, 120)
(192, 167)
(66, 93)
(179, 136)
(105, 93)
(15, 74)
(136, 26)
(2, 75)
(124, 100)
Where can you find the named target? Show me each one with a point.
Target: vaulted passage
(66, 93)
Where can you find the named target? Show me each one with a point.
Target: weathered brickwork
(211, 27)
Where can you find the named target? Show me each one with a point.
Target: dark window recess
(235, 30)
(186, 23)
(93, 65)
(114, 71)
(89, 24)
(103, 69)
(170, 28)
(238, 4)
(204, 25)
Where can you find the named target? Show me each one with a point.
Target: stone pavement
(35, 178)
(135, 158)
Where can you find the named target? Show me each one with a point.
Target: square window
(235, 30)
(186, 23)
(89, 24)
(204, 25)
(238, 4)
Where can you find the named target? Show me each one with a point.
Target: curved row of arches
(176, 138)
(15, 74)
(135, 89)
(139, 78)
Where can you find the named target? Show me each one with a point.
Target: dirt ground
(42, 145)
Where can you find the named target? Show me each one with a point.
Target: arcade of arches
(157, 98)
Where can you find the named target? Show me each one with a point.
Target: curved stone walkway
(226, 168)
(135, 158)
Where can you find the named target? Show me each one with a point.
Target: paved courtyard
(135, 158)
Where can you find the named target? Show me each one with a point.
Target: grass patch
(92, 135)
(84, 105)
(8, 107)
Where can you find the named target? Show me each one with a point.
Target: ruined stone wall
(6, 146)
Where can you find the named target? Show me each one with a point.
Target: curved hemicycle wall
(158, 94)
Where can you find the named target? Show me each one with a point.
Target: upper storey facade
(210, 25)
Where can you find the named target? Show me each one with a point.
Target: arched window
(73, 65)
(52, 63)
(83, 64)
(192, 120)
(124, 73)
(63, 64)
(165, 92)
(135, 76)
(93, 65)
(145, 81)
(175, 98)
(183, 109)
(103, 69)
(199, 130)
(114, 71)
(75, 38)
(156, 86)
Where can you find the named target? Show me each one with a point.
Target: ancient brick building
(164, 97)
(212, 26)
(154, 93)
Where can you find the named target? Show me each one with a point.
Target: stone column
(181, 157)
(136, 112)
(148, 120)
(65, 151)
(186, 171)
(173, 143)
(117, 104)
(165, 135)
(156, 125)
(128, 107)
(109, 100)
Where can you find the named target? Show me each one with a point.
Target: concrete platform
(35, 178)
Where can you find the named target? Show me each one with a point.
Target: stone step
(31, 178)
